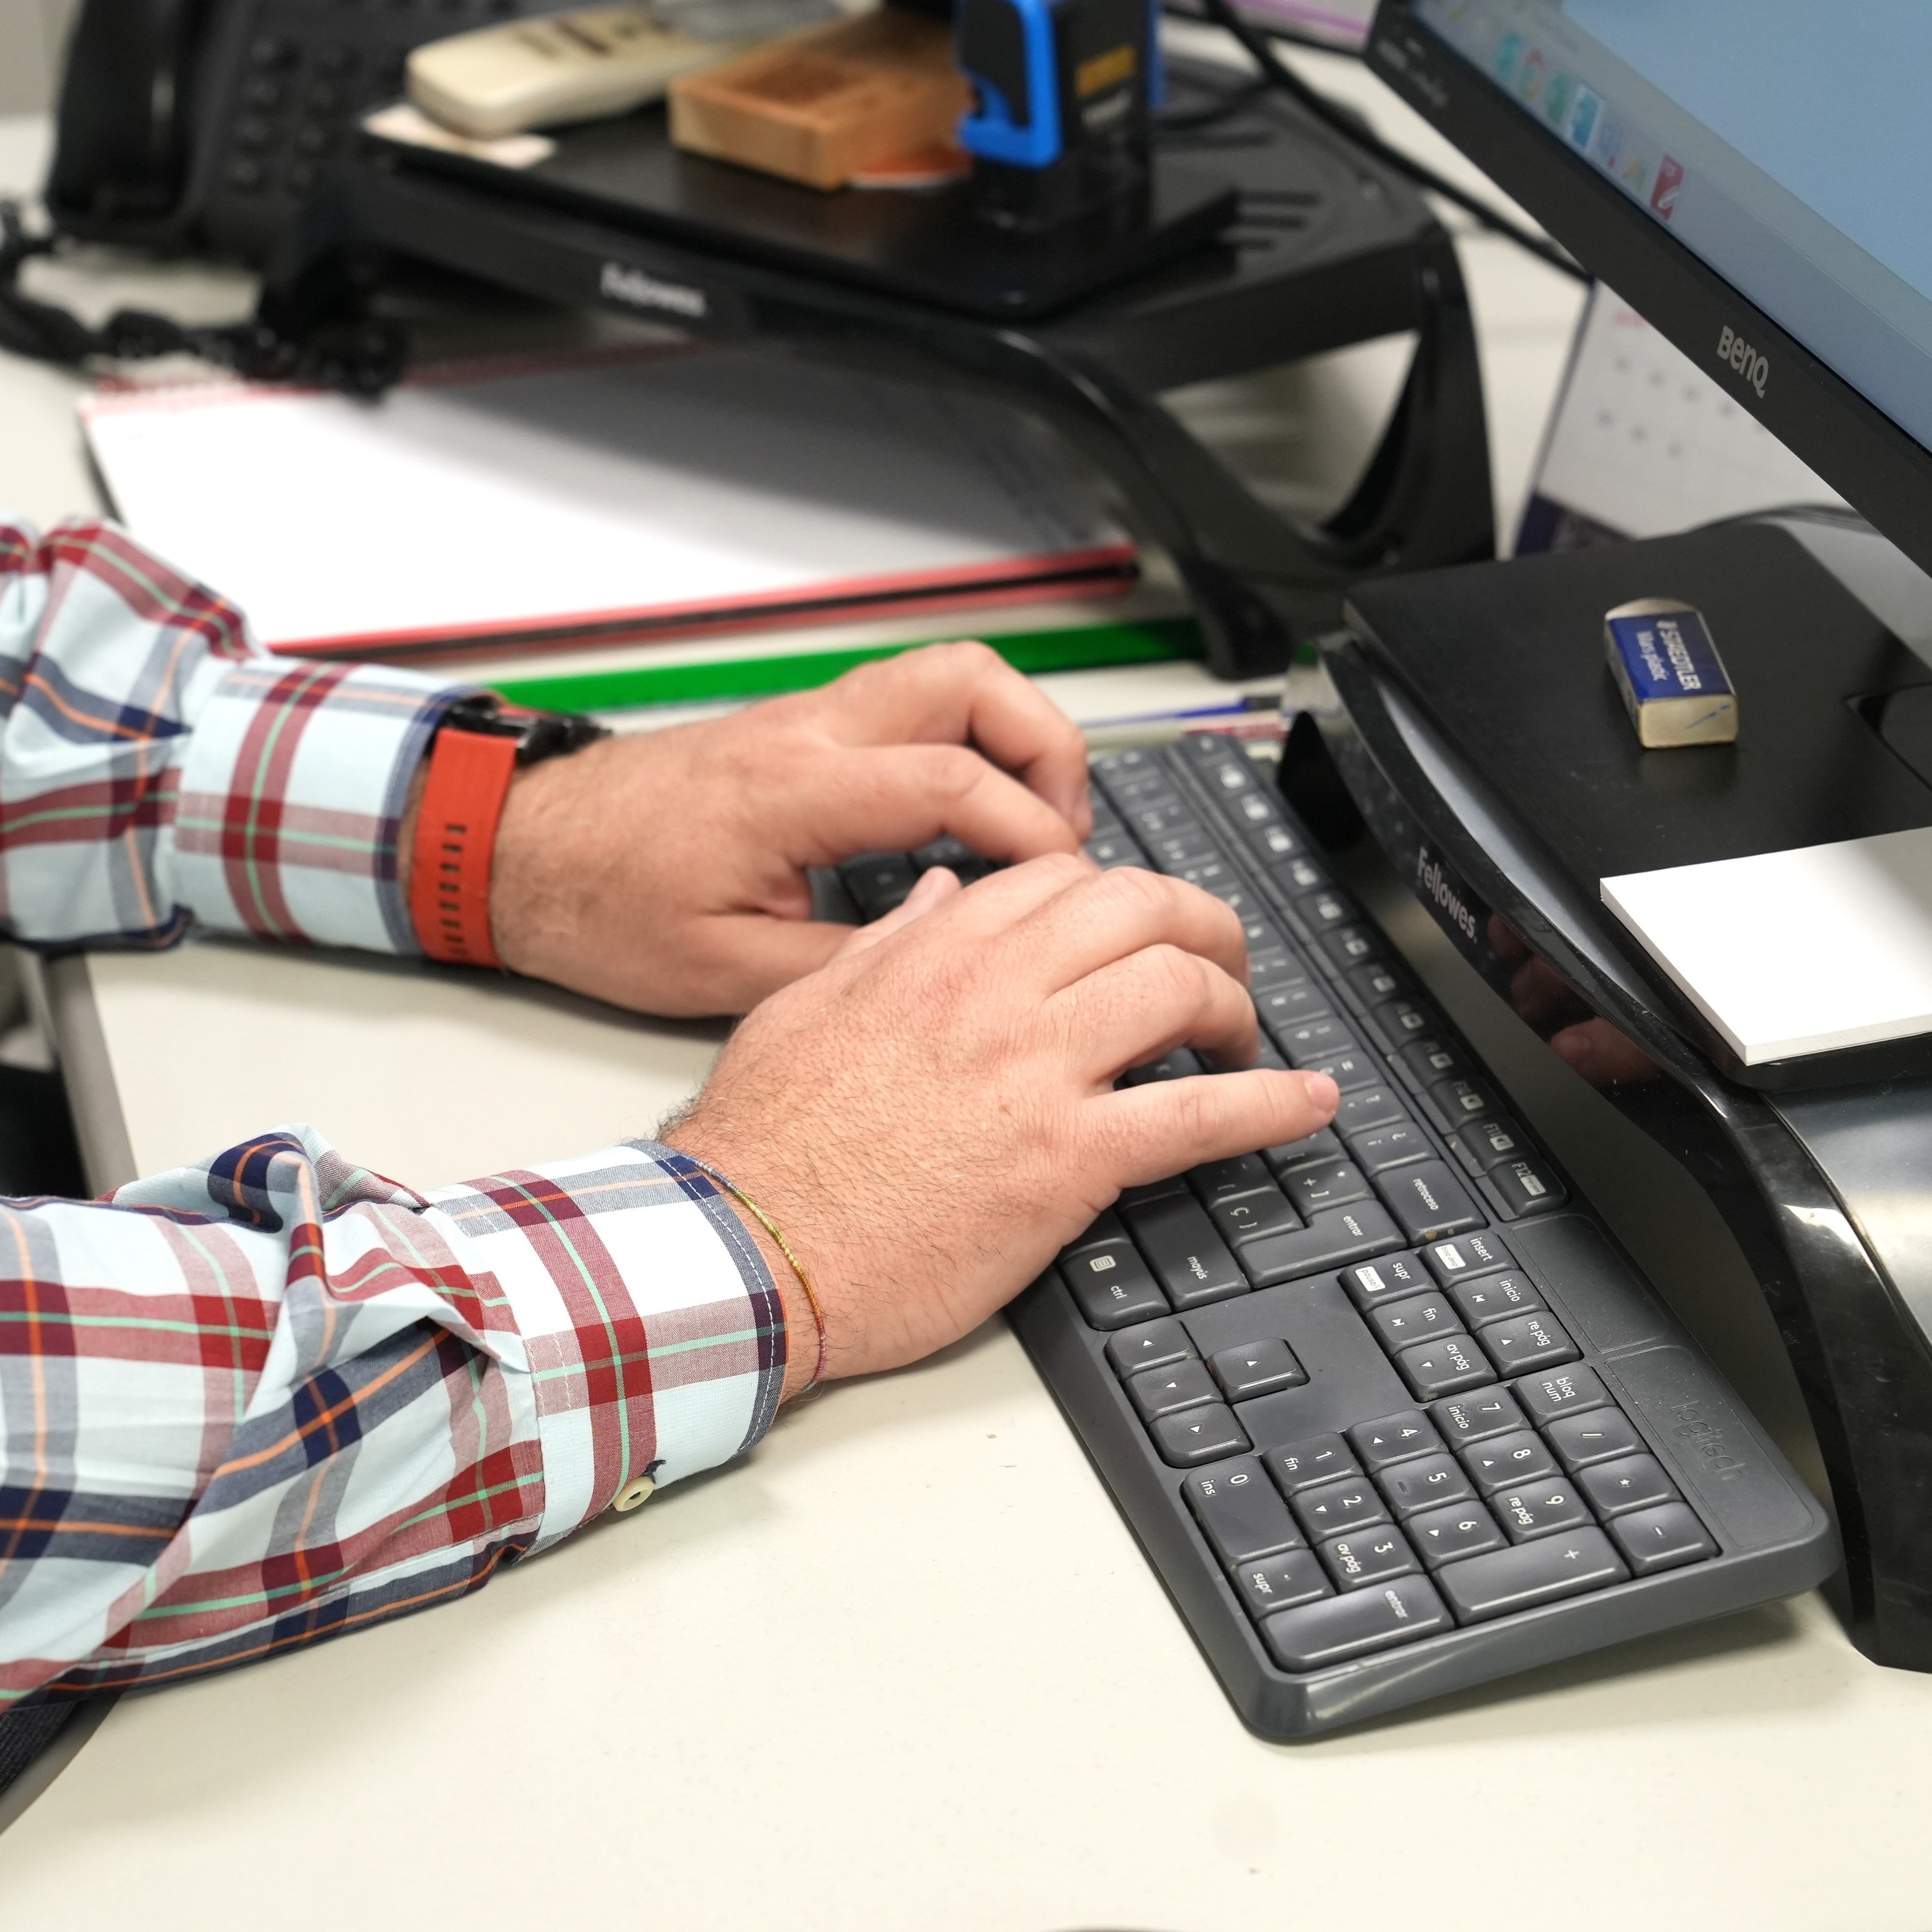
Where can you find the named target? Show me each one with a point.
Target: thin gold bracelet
(770, 1227)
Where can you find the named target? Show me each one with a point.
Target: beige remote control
(564, 67)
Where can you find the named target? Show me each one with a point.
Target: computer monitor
(1749, 174)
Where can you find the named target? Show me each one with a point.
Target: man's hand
(667, 871)
(930, 1116)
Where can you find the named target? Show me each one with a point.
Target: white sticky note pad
(1790, 953)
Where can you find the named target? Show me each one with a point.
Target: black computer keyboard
(1389, 1412)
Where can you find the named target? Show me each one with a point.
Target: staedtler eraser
(1674, 684)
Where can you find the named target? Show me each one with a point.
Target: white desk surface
(904, 1666)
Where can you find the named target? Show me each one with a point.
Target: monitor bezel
(1881, 470)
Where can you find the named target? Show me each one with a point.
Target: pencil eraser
(1674, 683)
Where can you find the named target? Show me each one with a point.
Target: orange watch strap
(470, 775)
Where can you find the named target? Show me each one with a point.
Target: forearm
(248, 1406)
(156, 772)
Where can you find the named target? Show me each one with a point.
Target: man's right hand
(931, 1116)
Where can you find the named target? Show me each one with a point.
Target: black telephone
(205, 124)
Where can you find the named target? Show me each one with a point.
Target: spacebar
(1334, 1236)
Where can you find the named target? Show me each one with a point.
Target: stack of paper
(1792, 953)
(661, 491)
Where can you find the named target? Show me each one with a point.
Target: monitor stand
(1482, 738)
(1266, 238)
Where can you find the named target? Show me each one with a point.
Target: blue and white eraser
(1673, 681)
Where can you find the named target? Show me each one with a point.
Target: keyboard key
(1453, 1102)
(1367, 1557)
(1631, 1483)
(1269, 843)
(1151, 1190)
(1335, 1236)
(1427, 1200)
(878, 881)
(1150, 822)
(1389, 1279)
(1490, 1297)
(1373, 1106)
(1331, 1508)
(1355, 1625)
(1482, 1145)
(1392, 1146)
(1350, 946)
(1282, 1008)
(1287, 1154)
(1440, 1536)
(1297, 875)
(1475, 1418)
(1403, 1020)
(1195, 1435)
(1451, 1261)
(1255, 807)
(1242, 1218)
(1179, 850)
(1321, 1459)
(1334, 1185)
(1601, 1436)
(1560, 1392)
(1240, 1513)
(1527, 1342)
(1213, 875)
(1415, 1318)
(1394, 1438)
(1267, 970)
(1151, 787)
(1328, 911)
(1258, 1369)
(1117, 768)
(1105, 1231)
(1347, 1070)
(1429, 1060)
(1430, 1482)
(1242, 1174)
(1181, 1064)
(1550, 1507)
(1509, 1462)
(1159, 1392)
(1551, 1567)
(1189, 1259)
(1313, 1042)
(1153, 1345)
(1280, 1583)
(1108, 850)
(1661, 1539)
(1374, 983)
(1528, 1186)
(1114, 1288)
(954, 853)
(1443, 1367)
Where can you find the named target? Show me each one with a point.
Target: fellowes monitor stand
(1488, 750)
(1267, 238)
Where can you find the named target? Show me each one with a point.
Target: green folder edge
(1090, 648)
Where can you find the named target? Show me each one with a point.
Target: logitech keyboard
(1388, 1411)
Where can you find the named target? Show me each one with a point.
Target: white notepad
(1790, 953)
(664, 489)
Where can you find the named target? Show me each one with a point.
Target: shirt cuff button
(635, 1494)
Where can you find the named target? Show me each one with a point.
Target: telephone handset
(205, 124)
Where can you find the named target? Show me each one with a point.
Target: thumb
(936, 888)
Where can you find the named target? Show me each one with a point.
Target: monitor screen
(1783, 144)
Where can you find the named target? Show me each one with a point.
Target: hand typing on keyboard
(667, 871)
(932, 1115)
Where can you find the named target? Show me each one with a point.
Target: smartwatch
(479, 746)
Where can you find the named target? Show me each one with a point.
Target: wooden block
(821, 102)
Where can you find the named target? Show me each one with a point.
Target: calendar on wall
(1642, 443)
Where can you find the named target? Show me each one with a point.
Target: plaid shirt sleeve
(249, 1404)
(156, 770)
